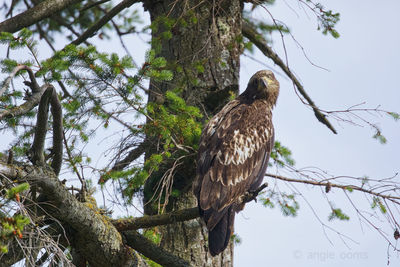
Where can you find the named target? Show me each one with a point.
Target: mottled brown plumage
(233, 156)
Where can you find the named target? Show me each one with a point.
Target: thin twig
(103, 21)
(344, 187)
(259, 41)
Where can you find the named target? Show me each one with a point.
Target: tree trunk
(203, 52)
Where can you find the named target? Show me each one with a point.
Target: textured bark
(156, 220)
(152, 251)
(211, 40)
(189, 239)
(91, 234)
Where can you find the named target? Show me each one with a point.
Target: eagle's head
(263, 85)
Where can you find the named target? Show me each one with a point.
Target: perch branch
(174, 216)
(259, 41)
(155, 220)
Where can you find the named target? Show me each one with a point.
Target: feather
(233, 156)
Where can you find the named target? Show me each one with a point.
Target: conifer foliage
(86, 125)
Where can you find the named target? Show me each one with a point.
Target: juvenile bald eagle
(233, 156)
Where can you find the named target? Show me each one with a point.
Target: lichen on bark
(209, 36)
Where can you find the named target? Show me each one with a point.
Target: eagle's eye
(255, 83)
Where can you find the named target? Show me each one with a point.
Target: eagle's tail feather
(219, 236)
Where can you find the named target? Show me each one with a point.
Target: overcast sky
(363, 66)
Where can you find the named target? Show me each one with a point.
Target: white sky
(364, 67)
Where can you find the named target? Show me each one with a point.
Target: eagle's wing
(233, 156)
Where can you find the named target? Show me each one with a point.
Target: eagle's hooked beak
(265, 81)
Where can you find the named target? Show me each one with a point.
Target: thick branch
(155, 220)
(58, 133)
(33, 15)
(329, 184)
(103, 21)
(259, 41)
(150, 250)
(174, 216)
(37, 149)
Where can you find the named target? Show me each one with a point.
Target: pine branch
(33, 15)
(250, 33)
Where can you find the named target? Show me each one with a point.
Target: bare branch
(104, 20)
(92, 4)
(33, 15)
(37, 149)
(174, 216)
(259, 41)
(58, 133)
(133, 155)
(150, 250)
(328, 184)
